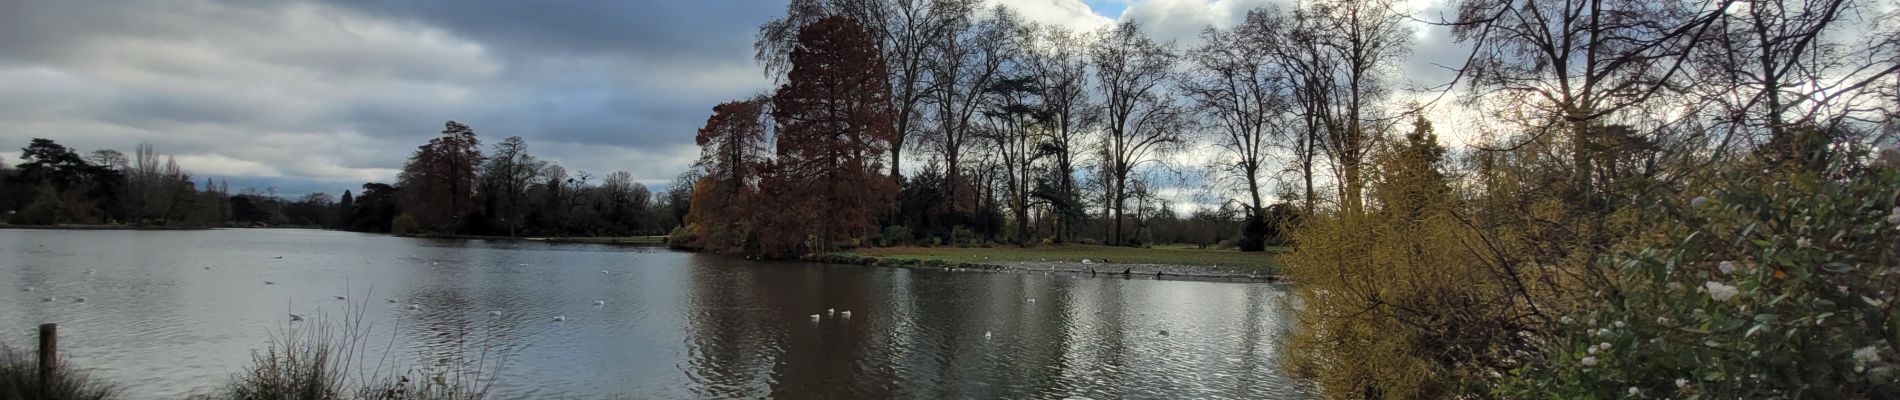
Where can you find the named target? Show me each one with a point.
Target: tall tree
(1058, 59)
(732, 149)
(439, 179)
(1236, 86)
(834, 126)
(963, 62)
(903, 32)
(1141, 119)
(506, 177)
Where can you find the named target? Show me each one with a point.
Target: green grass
(1170, 255)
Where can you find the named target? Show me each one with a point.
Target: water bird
(295, 317)
(277, 258)
(89, 271)
(269, 283)
(207, 268)
(559, 318)
(603, 271)
(1032, 300)
(494, 313)
(831, 311)
(342, 298)
(1086, 261)
(1164, 332)
(846, 314)
(46, 299)
(79, 299)
(414, 306)
(814, 318)
(521, 265)
(391, 301)
(986, 335)
(30, 288)
(600, 303)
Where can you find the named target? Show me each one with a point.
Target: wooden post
(49, 358)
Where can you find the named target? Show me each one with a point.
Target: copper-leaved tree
(824, 188)
(439, 180)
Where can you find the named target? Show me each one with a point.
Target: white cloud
(1072, 14)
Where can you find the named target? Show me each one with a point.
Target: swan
(814, 318)
(559, 318)
(295, 317)
(494, 313)
(413, 306)
(600, 302)
(1032, 300)
(986, 335)
(1086, 261)
(831, 311)
(846, 314)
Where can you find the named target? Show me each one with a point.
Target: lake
(172, 313)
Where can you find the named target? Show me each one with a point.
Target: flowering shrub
(1777, 285)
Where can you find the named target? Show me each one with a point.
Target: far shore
(106, 227)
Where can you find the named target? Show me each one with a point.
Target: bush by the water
(19, 380)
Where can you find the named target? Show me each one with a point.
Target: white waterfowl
(846, 314)
(414, 306)
(1032, 300)
(604, 271)
(831, 311)
(559, 318)
(1086, 261)
(495, 313)
(986, 335)
(814, 318)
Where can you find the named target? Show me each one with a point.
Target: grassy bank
(1225, 258)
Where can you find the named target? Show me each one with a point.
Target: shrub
(896, 235)
(324, 359)
(1779, 286)
(19, 379)
(1089, 241)
(404, 225)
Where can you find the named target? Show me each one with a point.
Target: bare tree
(1141, 120)
(1059, 61)
(967, 59)
(1236, 86)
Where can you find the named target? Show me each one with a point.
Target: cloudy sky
(322, 95)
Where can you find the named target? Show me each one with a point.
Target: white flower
(1662, 320)
(1727, 267)
(1620, 325)
(1675, 286)
(1866, 354)
(1566, 320)
(1698, 202)
(1589, 361)
(1592, 350)
(1603, 332)
(1635, 392)
(1604, 345)
(1893, 219)
(1804, 243)
(1682, 383)
(1719, 291)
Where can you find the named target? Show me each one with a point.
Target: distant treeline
(447, 187)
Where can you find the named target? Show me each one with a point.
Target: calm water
(674, 325)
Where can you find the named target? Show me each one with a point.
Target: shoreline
(71, 227)
(1099, 270)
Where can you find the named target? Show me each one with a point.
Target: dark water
(674, 325)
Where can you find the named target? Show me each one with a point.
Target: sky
(323, 95)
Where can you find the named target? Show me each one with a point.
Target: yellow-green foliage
(1390, 299)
